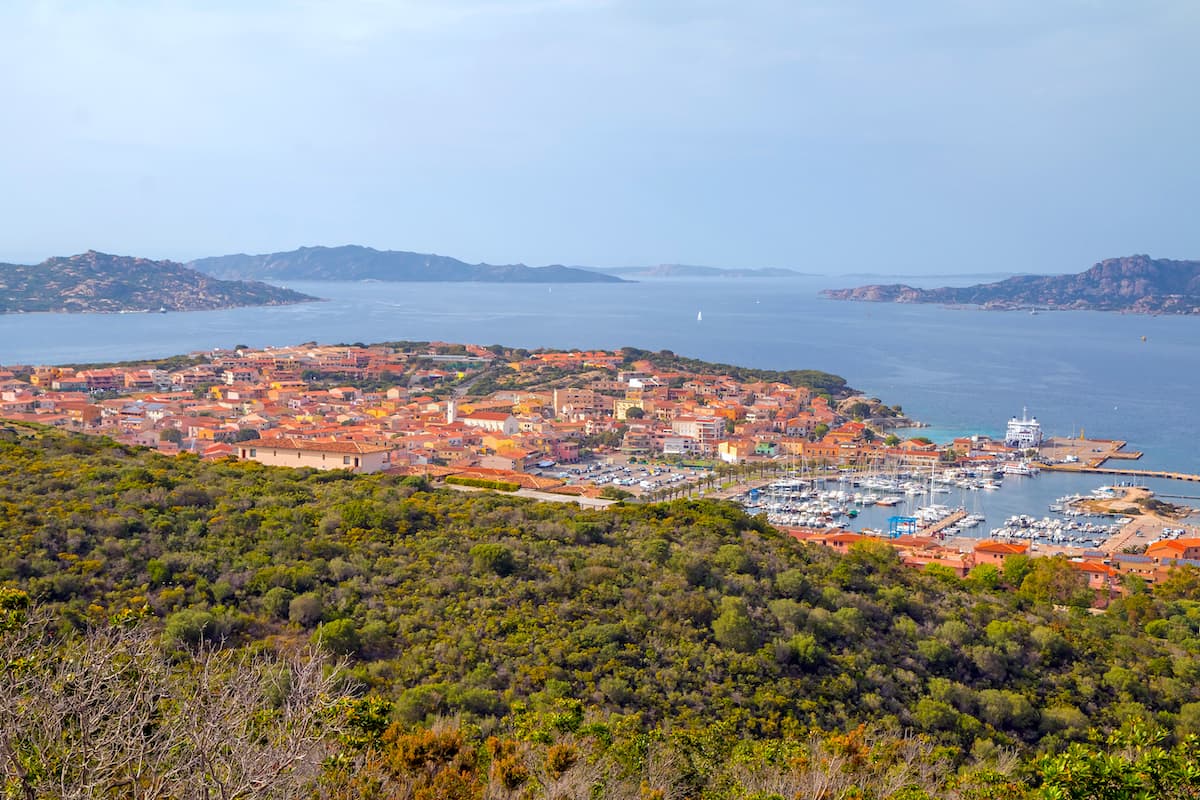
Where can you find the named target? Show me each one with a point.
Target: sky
(931, 137)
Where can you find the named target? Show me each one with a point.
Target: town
(589, 427)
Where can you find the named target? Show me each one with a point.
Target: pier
(1086, 452)
(943, 523)
(1136, 473)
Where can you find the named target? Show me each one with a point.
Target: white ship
(1024, 432)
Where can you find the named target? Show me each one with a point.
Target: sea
(958, 370)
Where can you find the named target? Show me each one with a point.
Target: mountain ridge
(105, 283)
(356, 262)
(1137, 284)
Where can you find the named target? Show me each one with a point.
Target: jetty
(1086, 452)
(1136, 473)
(943, 523)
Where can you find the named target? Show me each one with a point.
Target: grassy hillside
(503, 614)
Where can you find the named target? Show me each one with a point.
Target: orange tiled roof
(1006, 548)
(286, 443)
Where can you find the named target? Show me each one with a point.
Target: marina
(1006, 498)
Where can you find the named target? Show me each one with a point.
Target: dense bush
(483, 483)
(490, 608)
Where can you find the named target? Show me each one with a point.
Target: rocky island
(98, 282)
(356, 263)
(1137, 284)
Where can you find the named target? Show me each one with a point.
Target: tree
(339, 636)
(733, 627)
(1055, 580)
(109, 714)
(984, 576)
(306, 609)
(1015, 569)
(1181, 583)
(858, 410)
(635, 413)
(1135, 764)
(493, 557)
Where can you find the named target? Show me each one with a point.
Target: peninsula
(355, 263)
(99, 282)
(1137, 284)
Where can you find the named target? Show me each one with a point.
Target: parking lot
(638, 477)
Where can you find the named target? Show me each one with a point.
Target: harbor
(1058, 496)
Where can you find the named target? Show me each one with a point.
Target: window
(253, 452)
(345, 459)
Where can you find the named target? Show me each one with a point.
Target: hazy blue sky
(955, 136)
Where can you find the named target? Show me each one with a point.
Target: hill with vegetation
(355, 263)
(494, 644)
(98, 282)
(1138, 284)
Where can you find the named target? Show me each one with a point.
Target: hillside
(680, 613)
(1138, 284)
(685, 648)
(98, 282)
(354, 263)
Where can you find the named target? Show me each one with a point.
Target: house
(287, 452)
(1169, 550)
(565, 451)
(505, 460)
(921, 556)
(735, 451)
(1101, 578)
(1140, 566)
(833, 538)
(993, 552)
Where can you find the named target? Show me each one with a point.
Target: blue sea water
(1119, 376)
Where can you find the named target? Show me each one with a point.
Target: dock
(1086, 452)
(943, 523)
(1136, 473)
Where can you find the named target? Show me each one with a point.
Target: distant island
(356, 263)
(690, 271)
(1137, 284)
(99, 282)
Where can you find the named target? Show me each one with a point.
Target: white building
(493, 422)
(705, 430)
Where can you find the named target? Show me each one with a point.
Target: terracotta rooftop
(286, 443)
(1008, 548)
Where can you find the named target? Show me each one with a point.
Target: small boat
(699, 316)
